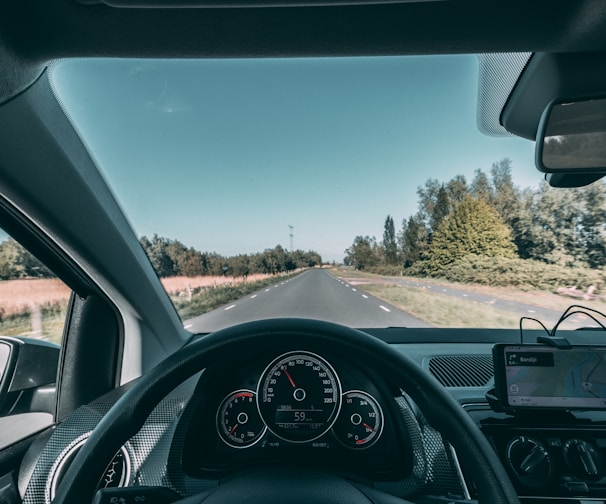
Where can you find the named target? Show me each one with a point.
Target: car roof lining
(35, 32)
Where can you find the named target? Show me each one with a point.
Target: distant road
(313, 294)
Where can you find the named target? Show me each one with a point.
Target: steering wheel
(441, 410)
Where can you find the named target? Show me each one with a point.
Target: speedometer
(299, 396)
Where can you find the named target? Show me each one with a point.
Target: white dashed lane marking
(187, 326)
(230, 307)
(354, 290)
(267, 290)
(384, 309)
(364, 296)
(253, 297)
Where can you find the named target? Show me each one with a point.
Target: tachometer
(299, 396)
(238, 420)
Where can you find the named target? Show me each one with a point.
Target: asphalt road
(313, 294)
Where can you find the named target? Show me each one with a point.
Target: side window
(33, 307)
(33, 302)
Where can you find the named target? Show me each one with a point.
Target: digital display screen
(286, 417)
(548, 377)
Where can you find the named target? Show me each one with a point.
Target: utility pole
(291, 237)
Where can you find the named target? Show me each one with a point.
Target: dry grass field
(178, 284)
(18, 296)
(47, 298)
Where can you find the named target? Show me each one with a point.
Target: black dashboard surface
(180, 445)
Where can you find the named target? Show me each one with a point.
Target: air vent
(117, 473)
(462, 370)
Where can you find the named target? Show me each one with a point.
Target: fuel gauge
(360, 422)
(238, 421)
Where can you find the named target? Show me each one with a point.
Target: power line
(291, 237)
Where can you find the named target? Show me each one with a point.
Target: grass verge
(53, 320)
(440, 310)
(540, 298)
(209, 298)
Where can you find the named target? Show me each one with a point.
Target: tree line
(173, 258)
(491, 217)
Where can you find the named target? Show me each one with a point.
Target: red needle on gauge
(233, 429)
(368, 426)
(292, 382)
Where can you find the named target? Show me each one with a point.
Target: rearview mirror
(571, 138)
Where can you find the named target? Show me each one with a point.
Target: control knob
(530, 461)
(583, 459)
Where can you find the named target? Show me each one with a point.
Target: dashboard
(312, 407)
(298, 407)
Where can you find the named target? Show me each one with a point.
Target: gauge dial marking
(238, 422)
(360, 423)
(302, 410)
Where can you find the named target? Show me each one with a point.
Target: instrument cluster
(297, 407)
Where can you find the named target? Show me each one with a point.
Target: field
(37, 307)
(181, 285)
(33, 308)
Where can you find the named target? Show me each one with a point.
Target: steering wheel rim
(441, 410)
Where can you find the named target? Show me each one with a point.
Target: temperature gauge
(238, 421)
(360, 422)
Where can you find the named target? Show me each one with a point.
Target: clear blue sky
(224, 155)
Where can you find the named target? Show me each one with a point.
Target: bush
(521, 273)
(386, 269)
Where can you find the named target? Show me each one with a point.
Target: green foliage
(515, 272)
(17, 262)
(53, 321)
(363, 253)
(413, 240)
(389, 241)
(173, 258)
(472, 228)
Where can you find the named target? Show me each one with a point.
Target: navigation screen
(540, 376)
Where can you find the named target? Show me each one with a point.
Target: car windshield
(357, 190)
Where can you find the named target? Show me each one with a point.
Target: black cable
(583, 310)
(522, 319)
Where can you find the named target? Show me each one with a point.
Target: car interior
(132, 406)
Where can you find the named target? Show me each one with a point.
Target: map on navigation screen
(538, 376)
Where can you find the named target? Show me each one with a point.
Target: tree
(363, 253)
(457, 189)
(389, 241)
(480, 187)
(156, 250)
(505, 195)
(592, 231)
(17, 262)
(413, 240)
(472, 228)
(441, 208)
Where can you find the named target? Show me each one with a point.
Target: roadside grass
(49, 297)
(540, 298)
(206, 299)
(440, 310)
(182, 284)
(52, 318)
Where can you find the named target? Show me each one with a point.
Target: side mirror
(571, 141)
(28, 373)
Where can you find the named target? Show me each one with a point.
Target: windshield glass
(357, 190)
